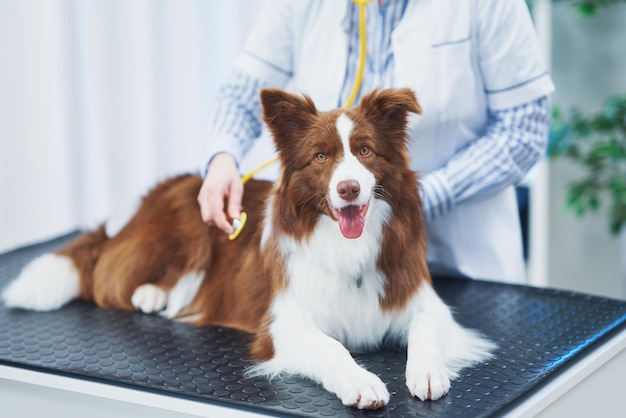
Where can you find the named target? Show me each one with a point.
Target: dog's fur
(332, 259)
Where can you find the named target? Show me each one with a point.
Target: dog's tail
(54, 279)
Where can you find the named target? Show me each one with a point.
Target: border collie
(333, 258)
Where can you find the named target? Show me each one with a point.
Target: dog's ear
(287, 115)
(390, 106)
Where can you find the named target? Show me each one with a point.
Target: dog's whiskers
(380, 192)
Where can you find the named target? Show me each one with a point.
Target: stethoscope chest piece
(238, 225)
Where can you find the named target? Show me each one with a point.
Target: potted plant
(597, 143)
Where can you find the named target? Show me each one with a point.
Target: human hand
(221, 193)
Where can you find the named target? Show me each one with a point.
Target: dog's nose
(348, 190)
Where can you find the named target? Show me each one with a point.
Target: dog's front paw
(363, 390)
(149, 298)
(427, 380)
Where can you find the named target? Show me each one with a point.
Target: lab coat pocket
(454, 79)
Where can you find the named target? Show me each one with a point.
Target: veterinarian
(476, 68)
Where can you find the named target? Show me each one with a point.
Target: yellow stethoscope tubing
(347, 105)
(362, 54)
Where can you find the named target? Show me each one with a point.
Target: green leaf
(603, 123)
(588, 9)
(598, 144)
(615, 107)
(619, 185)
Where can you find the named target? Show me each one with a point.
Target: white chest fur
(334, 283)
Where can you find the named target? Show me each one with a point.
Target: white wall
(588, 65)
(99, 99)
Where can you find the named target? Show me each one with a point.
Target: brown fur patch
(380, 123)
(84, 253)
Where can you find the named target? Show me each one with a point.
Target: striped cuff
(228, 144)
(436, 195)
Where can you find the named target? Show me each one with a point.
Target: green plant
(598, 144)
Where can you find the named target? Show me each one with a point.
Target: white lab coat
(458, 59)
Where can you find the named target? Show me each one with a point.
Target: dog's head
(334, 163)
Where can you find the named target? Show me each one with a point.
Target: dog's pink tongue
(351, 221)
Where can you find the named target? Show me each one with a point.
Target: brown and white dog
(337, 262)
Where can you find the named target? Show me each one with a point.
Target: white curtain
(100, 99)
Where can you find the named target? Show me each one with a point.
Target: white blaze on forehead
(349, 168)
(344, 127)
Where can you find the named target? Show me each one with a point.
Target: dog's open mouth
(351, 219)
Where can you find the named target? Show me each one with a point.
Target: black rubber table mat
(540, 332)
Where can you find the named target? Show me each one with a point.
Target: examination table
(85, 361)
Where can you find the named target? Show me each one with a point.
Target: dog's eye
(321, 157)
(364, 151)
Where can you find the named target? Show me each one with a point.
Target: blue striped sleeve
(235, 120)
(515, 139)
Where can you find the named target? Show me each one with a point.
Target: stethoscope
(238, 224)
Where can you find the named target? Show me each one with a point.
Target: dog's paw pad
(428, 382)
(149, 298)
(365, 391)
